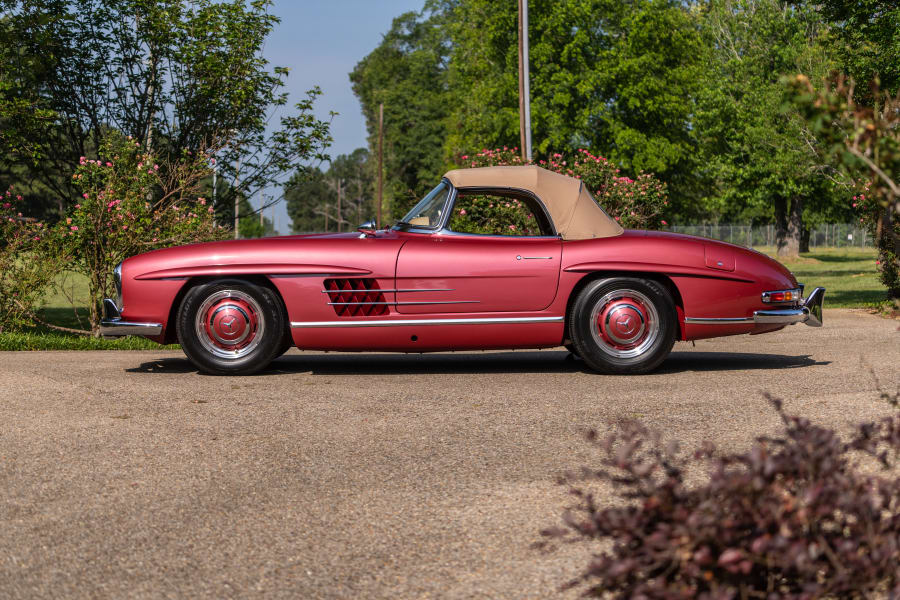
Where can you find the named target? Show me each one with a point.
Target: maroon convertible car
(618, 299)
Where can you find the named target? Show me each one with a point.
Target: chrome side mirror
(367, 229)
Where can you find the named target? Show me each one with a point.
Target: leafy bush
(801, 516)
(634, 203)
(131, 204)
(884, 232)
(489, 214)
(864, 143)
(28, 263)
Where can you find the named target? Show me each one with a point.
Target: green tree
(759, 162)
(407, 72)
(312, 202)
(172, 74)
(24, 117)
(869, 35)
(307, 195)
(618, 77)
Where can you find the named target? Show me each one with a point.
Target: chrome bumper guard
(809, 311)
(112, 325)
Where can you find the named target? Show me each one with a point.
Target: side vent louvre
(355, 297)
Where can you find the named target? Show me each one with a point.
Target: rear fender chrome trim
(417, 322)
(718, 321)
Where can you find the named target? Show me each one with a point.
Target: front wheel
(230, 327)
(623, 325)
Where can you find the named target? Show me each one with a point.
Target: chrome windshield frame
(445, 214)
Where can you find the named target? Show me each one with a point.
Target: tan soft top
(574, 213)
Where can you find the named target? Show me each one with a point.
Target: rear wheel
(231, 327)
(623, 325)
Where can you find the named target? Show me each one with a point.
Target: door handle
(520, 257)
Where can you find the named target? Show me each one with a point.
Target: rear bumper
(112, 325)
(809, 312)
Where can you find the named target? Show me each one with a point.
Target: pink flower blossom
(68, 221)
(854, 205)
(462, 211)
(512, 227)
(663, 222)
(108, 164)
(85, 195)
(77, 206)
(74, 227)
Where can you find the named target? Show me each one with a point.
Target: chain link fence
(833, 235)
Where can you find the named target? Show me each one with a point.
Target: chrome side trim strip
(413, 322)
(718, 321)
(396, 303)
(376, 290)
(537, 257)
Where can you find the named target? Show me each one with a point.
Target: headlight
(117, 277)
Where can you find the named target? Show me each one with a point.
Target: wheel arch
(171, 335)
(660, 278)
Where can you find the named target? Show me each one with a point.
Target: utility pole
(262, 225)
(237, 199)
(524, 84)
(380, 162)
(339, 219)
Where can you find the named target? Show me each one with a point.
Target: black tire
(231, 326)
(623, 325)
(572, 350)
(286, 344)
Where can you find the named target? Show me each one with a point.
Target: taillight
(794, 295)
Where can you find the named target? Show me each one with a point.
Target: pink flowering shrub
(130, 203)
(28, 263)
(884, 232)
(495, 215)
(635, 203)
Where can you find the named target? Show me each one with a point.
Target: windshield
(430, 209)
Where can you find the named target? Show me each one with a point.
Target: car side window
(495, 214)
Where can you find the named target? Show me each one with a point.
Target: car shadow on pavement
(493, 362)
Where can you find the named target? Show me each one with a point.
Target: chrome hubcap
(229, 324)
(625, 323)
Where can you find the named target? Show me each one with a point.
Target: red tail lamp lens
(782, 296)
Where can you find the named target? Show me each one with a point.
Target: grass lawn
(58, 309)
(848, 275)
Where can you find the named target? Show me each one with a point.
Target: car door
(452, 273)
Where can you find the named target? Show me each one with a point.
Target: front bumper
(809, 311)
(112, 325)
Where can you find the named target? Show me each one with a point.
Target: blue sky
(320, 42)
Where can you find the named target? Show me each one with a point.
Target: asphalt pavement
(130, 475)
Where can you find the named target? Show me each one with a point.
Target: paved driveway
(128, 474)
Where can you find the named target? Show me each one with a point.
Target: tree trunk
(788, 227)
(804, 239)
